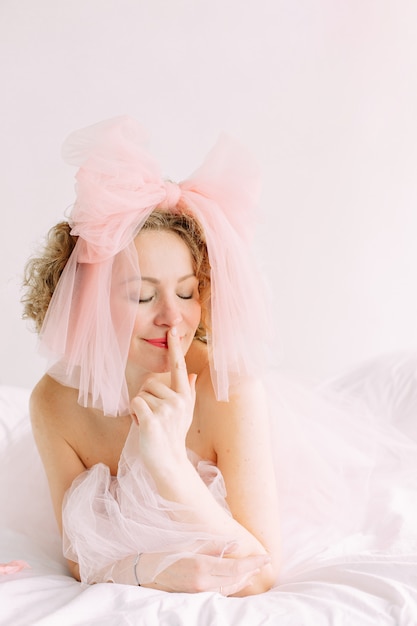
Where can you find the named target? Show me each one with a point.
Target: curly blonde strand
(42, 273)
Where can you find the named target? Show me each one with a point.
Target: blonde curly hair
(42, 273)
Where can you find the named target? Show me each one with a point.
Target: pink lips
(158, 343)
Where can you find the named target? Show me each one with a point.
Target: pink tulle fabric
(13, 567)
(347, 476)
(89, 322)
(106, 518)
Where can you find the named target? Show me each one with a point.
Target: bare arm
(242, 445)
(62, 464)
(242, 442)
(198, 572)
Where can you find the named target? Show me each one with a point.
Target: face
(168, 297)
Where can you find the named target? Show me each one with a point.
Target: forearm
(187, 573)
(199, 505)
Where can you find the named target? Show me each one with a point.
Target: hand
(164, 413)
(193, 573)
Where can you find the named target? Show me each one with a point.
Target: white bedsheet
(375, 591)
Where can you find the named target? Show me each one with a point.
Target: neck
(135, 379)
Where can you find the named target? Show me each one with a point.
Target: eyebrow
(155, 281)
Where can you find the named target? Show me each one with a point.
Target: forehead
(162, 251)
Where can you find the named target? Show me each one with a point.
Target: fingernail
(174, 331)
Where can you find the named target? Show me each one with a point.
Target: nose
(168, 313)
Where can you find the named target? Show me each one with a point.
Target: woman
(147, 305)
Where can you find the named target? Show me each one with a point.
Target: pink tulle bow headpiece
(86, 333)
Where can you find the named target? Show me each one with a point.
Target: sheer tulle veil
(88, 325)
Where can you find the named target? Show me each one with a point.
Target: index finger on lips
(179, 374)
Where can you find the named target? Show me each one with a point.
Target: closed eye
(145, 300)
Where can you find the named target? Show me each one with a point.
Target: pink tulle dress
(346, 469)
(107, 518)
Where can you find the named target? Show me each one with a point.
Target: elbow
(74, 570)
(261, 583)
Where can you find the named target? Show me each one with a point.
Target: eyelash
(147, 300)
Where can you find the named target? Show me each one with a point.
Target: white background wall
(324, 92)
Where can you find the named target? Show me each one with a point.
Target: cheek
(141, 324)
(124, 315)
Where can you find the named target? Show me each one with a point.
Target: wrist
(176, 480)
(123, 571)
(167, 465)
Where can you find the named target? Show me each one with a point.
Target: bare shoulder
(244, 393)
(50, 406)
(241, 388)
(50, 403)
(54, 415)
(44, 391)
(247, 400)
(246, 388)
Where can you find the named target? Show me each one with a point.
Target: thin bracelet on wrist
(135, 564)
